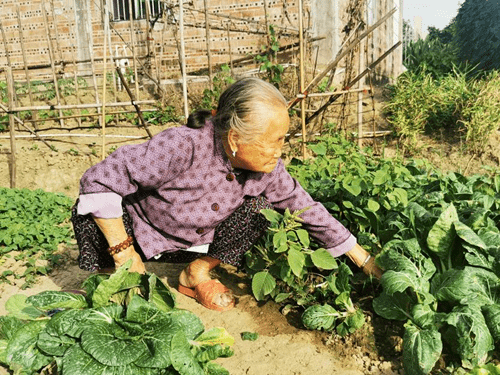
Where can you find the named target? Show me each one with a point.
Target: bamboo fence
(142, 66)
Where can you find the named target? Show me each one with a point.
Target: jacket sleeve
(146, 166)
(284, 192)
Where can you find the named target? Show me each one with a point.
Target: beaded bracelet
(113, 250)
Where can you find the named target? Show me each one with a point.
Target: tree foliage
(478, 33)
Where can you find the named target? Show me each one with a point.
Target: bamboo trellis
(142, 64)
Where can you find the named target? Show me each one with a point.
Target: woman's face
(263, 154)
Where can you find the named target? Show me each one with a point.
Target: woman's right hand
(129, 253)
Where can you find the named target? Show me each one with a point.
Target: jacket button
(230, 177)
(215, 207)
(200, 230)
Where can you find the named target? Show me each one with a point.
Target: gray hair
(244, 105)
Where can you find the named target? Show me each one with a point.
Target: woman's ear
(233, 140)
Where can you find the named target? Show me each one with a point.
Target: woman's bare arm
(115, 233)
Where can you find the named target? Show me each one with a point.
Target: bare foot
(197, 272)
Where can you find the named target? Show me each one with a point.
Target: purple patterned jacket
(179, 185)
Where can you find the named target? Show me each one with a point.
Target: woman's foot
(197, 272)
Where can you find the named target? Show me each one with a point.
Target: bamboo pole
(148, 34)
(54, 21)
(302, 83)
(104, 81)
(24, 125)
(86, 115)
(11, 98)
(110, 48)
(360, 95)
(342, 53)
(354, 81)
(132, 42)
(134, 103)
(51, 57)
(6, 46)
(183, 59)
(230, 50)
(77, 86)
(92, 62)
(75, 136)
(80, 106)
(209, 50)
(25, 62)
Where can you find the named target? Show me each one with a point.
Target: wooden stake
(230, 51)
(6, 46)
(132, 42)
(51, 56)
(11, 98)
(209, 51)
(110, 48)
(54, 21)
(360, 96)
(302, 83)
(354, 81)
(92, 62)
(25, 62)
(342, 53)
(24, 125)
(148, 35)
(134, 103)
(104, 81)
(183, 59)
(77, 86)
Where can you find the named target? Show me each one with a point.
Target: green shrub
(430, 56)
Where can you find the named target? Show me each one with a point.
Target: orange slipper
(204, 293)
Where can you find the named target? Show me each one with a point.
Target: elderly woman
(194, 194)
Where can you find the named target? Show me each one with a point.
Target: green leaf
(108, 287)
(212, 368)
(272, 216)
(373, 206)
(215, 336)
(442, 234)
(263, 283)
(69, 322)
(354, 187)
(351, 323)
(468, 235)
(323, 259)
(303, 237)
(472, 340)
(393, 307)
(158, 336)
(380, 177)
(279, 238)
(140, 311)
(491, 315)
(393, 282)
(22, 352)
(111, 345)
(16, 306)
(296, 260)
(249, 336)
(54, 345)
(159, 294)
(318, 148)
(8, 326)
(3, 352)
(49, 300)
(191, 323)
(77, 361)
(182, 358)
(317, 317)
(421, 349)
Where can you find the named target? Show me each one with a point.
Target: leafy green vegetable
(93, 334)
(250, 336)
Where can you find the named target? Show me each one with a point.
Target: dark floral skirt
(232, 238)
